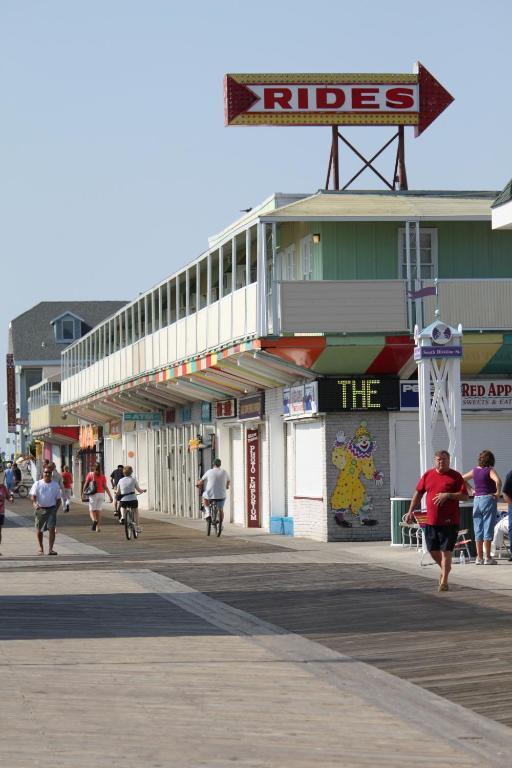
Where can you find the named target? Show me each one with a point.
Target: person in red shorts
(445, 488)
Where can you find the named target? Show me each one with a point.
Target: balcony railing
(47, 416)
(296, 307)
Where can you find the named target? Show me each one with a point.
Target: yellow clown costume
(354, 459)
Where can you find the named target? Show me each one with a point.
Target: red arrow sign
(334, 99)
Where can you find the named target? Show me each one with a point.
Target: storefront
(486, 424)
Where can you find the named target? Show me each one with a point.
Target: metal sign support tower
(399, 173)
(438, 354)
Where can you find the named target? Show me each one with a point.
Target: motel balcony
(144, 338)
(45, 411)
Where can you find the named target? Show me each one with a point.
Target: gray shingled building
(37, 338)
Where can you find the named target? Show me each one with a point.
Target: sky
(116, 166)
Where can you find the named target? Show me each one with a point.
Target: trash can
(399, 506)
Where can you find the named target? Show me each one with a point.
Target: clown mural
(354, 459)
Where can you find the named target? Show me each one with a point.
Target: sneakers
(94, 525)
(479, 561)
(490, 561)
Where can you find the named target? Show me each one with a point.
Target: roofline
(463, 217)
(68, 312)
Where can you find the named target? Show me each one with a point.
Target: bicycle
(130, 527)
(20, 490)
(214, 519)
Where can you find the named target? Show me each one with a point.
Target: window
(428, 253)
(286, 264)
(306, 258)
(68, 330)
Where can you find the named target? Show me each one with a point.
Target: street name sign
(334, 99)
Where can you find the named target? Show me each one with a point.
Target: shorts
(96, 502)
(129, 503)
(45, 518)
(67, 493)
(485, 511)
(441, 537)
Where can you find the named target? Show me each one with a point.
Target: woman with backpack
(95, 486)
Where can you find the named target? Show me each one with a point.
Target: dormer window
(67, 328)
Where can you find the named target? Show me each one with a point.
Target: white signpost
(438, 354)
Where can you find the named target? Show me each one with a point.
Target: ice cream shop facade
(283, 349)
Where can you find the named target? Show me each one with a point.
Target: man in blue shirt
(46, 499)
(507, 495)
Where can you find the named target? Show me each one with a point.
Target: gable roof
(68, 313)
(32, 335)
(505, 196)
(387, 206)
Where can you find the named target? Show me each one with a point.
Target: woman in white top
(126, 493)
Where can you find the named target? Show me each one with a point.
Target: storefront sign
(476, 395)
(225, 409)
(301, 400)
(334, 99)
(253, 478)
(142, 416)
(359, 393)
(11, 394)
(422, 353)
(251, 407)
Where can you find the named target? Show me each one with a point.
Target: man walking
(46, 499)
(445, 488)
(214, 484)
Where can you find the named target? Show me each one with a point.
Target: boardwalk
(179, 650)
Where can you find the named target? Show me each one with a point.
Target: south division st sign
(359, 393)
(334, 99)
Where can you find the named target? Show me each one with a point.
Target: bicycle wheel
(219, 526)
(22, 491)
(134, 529)
(208, 525)
(128, 523)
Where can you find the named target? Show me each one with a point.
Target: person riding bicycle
(115, 477)
(126, 495)
(214, 484)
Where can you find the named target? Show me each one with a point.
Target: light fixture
(316, 238)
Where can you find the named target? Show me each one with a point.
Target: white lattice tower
(438, 354)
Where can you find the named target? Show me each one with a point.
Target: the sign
(300, 400)
(476, 395)
(252, 406)
(253, 478)
(441, 333)
(334, 99)
(424, 353)
(225, 409)
(11, 393)
(359, 393)
(142, 416)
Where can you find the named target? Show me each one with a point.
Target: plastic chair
(410, 533)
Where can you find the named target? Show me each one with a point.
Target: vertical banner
(253, 478)
(11, 394)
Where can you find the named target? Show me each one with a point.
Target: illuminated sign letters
(359, 393)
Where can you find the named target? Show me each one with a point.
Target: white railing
(232, 318)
